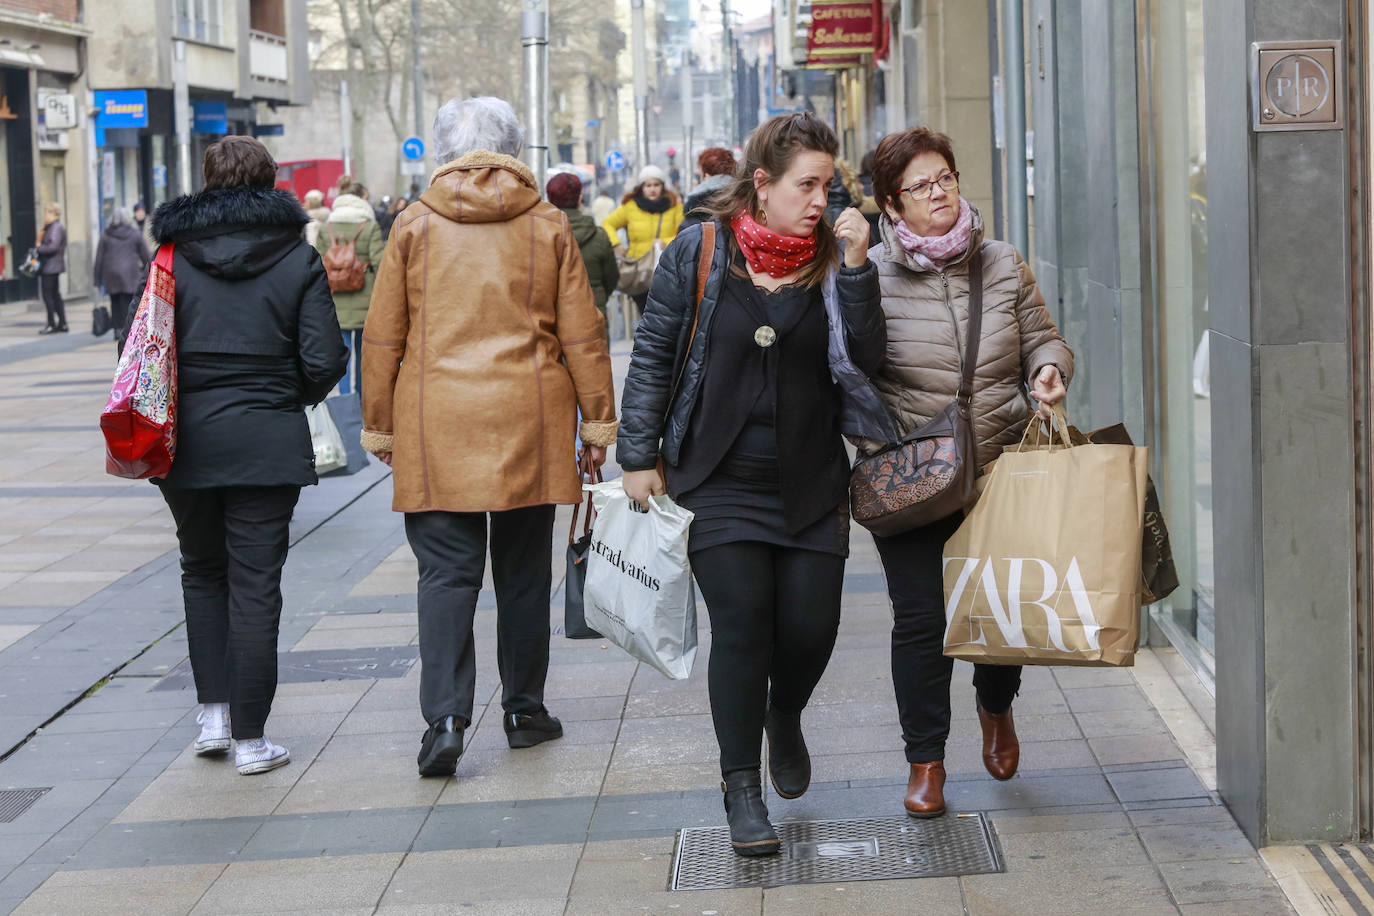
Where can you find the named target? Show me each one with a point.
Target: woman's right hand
(640, 485)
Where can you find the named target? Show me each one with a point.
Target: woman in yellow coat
(650, 214)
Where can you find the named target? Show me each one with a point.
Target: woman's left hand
(1048, 389)
(590, 458)
(852, 227)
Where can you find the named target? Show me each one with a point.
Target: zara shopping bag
(639, 592)
(1045, 570)
(139, 419)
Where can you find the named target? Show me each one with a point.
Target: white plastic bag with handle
(639, 592)
(330, 454)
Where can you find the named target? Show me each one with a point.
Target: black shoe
(441, 747)
(48, 330)
(750, 832)
(62, 329)
(527, 731)
(789, 763)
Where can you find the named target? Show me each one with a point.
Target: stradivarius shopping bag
(1045, 570)
(638, 592)
(139, 419)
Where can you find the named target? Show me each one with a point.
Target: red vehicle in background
(306, 174)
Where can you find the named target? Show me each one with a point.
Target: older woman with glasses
(931, 238)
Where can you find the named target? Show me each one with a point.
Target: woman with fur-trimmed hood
(257, 341)
(353, 220)
(481, 345)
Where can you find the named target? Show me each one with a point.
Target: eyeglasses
(949, 181)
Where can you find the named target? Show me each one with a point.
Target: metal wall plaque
(1298, 85)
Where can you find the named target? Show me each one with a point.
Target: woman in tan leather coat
(481, 344)
(929, 235)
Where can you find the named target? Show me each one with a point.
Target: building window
(200, 20)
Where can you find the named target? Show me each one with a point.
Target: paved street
(1114, 808)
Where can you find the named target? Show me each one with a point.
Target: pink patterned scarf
(933, 252)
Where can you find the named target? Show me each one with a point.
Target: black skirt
(742, 501)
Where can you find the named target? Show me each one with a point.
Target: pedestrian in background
(751, 441)
(717, 167)
(52, 261)
(649, 214)
(482, 304)
(603, 205)
(314, 205)
(257, 341)
(121, 267)
(351, 222)
(387, 220)
(603, 272)
(145, 226)
(929, 236)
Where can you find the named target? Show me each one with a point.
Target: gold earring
(762, 218)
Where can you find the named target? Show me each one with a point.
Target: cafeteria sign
(842, 28)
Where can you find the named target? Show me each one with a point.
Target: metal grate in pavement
(14, 802)
(312, 665)
(816, 852)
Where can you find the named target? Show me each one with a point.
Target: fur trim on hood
(483, 159)
(224, 210)
(350, 208)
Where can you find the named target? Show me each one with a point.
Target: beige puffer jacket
(921, 374)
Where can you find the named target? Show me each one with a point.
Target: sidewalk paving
(1106, 814)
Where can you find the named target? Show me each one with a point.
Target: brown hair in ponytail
(773, 147)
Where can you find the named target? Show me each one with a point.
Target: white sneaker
(214, 729)
(258, 755)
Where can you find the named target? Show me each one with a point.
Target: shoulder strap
(975, 328)
(708, 252)
(658, 230)
(330, 229)
(164, 257)
(361, 227)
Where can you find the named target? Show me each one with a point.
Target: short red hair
(716, 160)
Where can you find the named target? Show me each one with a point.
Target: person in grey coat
(52, 250)
(121, 266)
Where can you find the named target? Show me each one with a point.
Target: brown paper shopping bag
(1045, 570)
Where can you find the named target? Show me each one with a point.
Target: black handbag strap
(591, 513)
(975, 330)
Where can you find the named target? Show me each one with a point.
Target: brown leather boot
(925, 790)
(1001, 750)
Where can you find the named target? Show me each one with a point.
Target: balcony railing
(267, 57)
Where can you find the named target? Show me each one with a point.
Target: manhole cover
(320, 665)
(14, 802)
(818, 852)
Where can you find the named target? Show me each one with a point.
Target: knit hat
(565, 191)
(651, 173)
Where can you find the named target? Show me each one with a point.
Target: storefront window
(1171, 43)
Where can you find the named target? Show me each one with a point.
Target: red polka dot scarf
(767, 251)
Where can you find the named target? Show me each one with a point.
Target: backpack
(346, 273)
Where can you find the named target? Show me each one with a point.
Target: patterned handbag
(139, 420)
(930, 472)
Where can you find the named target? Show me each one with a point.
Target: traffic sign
(413, 148)
(615, 160)
(412, 168)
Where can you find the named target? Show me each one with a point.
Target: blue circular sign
(413, 148)
(615, 160)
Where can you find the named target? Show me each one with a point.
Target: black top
(777, 402)
(257, 338)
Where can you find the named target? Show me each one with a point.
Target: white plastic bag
(639, 592)
(330, 454)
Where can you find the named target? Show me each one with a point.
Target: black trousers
(52, 300)
(921, 672)
(452, 550)
(775, 612)
(120, 304)
(233, 546)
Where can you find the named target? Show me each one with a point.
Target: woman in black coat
(257, 341)
(735, 404)
(52, 262)
(121, 266)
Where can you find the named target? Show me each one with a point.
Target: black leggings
(774, 615)
(921, 671)
(52, 300)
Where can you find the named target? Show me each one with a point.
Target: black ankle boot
(789, 763)
(750, 832)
